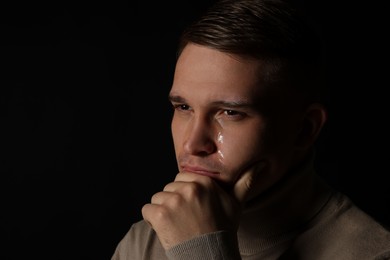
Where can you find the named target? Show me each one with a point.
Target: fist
(193, 205)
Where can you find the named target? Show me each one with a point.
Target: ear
(312, 123)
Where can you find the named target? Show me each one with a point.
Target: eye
(234, 114)
(231, 112)
(181, 107)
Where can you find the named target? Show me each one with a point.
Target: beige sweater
(300, 218)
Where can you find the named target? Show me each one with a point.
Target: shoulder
(140, 230)
(133, 245)
(344, 230)
(354, 222)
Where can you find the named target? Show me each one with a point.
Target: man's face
(218, 126)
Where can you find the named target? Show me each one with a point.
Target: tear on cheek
(220, 141)
(220, 156)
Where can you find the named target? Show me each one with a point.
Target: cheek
(238, 148)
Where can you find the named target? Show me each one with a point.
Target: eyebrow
(232, 104)
(177, 99)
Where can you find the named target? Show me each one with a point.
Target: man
(249, 106)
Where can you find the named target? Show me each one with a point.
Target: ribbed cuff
(220, 245)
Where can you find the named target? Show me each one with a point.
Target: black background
(85, 118)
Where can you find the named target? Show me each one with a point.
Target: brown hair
(273, 31)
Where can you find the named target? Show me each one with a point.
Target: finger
(175, 186)
(185, 176)
(148, 210)
(246, 181)
(191, 177)
(160, 197)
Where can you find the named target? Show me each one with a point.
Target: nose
(200, 138)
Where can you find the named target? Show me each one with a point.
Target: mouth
(200, 171)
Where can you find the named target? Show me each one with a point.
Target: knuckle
(193, 189)
(175, 201)
(161, 214)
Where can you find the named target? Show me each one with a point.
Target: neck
(284, 208)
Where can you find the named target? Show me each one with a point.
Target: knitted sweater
(299, 218)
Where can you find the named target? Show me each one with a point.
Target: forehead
(201, 69)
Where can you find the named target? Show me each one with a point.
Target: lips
(199, 170)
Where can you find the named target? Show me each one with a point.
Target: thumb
(245, 183)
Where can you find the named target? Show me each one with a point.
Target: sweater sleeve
(220, 245)
(383, 256)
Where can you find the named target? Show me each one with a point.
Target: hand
(194, 204)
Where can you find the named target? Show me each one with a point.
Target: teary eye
(234, 114)
(181, 106)
(231, 112)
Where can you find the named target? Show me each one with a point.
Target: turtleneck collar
(279, 213)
